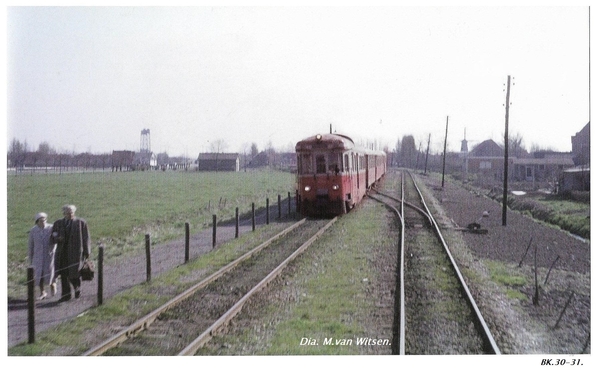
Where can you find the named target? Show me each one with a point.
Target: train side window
(346, 163)
(321, 165)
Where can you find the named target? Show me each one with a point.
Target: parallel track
(411, 218)
(147, 321)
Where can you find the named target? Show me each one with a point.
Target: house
(577, 178)
(580, 146)
(218, 162)
(487, 160)
(543, 166)
(144, 160)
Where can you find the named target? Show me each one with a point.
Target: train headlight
(335, 187)
(307, 188)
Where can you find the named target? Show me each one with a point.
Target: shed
(575, 179)
(218, 162)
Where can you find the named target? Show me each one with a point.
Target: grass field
(122, 207)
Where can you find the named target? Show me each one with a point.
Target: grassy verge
(122, 207)
(571, 216)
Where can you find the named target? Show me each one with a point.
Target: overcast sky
(91, 79)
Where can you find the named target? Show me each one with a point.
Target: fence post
(253, 218)
(550, 270)
(289, 203)
(563, 311)
(100, 292)
(148, 263)
(536, 295)
(30, 305)
(214, 234)
(237, 222)
(279, 206)
(187, 241)
(267, 211)
(526, 250)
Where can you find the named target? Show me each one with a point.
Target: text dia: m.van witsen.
(356, 341)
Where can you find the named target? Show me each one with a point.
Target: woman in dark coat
(73, 247)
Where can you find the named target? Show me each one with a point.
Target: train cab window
(333, 163)
(305, 165)
(346, 163)
(321, 165)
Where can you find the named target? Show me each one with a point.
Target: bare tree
(218, 146)
(253, 150)
(17, 152)
(408, 151)
(515, 146)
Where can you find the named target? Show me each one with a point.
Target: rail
(488, 335)
(147, 320)
(197, 343)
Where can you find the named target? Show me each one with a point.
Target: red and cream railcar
(334, 174)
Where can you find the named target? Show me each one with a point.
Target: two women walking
(59, 249)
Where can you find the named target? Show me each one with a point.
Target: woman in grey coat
(41, 254)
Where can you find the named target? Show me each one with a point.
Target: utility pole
(427, 153)
(505, 193)
(418, 155)
(444, 160)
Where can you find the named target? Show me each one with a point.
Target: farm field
(567, 213)
(121, 207)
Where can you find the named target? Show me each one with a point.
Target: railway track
(184, 324)
(437, 313)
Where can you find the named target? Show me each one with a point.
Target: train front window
(306, 164)
(321, 166)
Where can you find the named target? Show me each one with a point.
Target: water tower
(145, 141)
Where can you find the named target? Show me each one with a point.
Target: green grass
(334, 282)
(122, 207)
(500, 274)
(511, 281)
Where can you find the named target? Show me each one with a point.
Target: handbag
(87, 271)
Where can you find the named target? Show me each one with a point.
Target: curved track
(421, 287)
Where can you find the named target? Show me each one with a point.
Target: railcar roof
(326, 140)
(330, 141)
